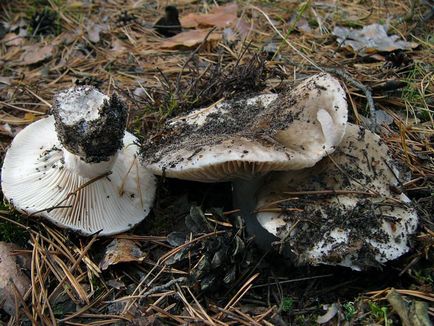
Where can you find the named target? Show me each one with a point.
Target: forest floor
(226, 49)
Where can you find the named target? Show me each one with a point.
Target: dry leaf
(371, 38)
(30, 117)
(12, 39)
(36, 53)
(242, 27)
(5, 80)
(118, 46)
(93, 31)
(189, 39)
(221, 16)
(11, 273)
(121, 251)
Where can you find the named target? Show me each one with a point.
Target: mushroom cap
(250, 136)
(363, 223)
(38, 174)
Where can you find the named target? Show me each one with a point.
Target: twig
(163, 287)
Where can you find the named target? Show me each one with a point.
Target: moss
(10, 232)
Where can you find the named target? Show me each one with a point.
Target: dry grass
(68, 285)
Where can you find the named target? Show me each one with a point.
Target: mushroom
(79, 168)
(247, 137)
(346, 210)
(244, 139)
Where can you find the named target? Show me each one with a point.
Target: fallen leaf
(370, 39)
(36, 53)
(5, 80)
(121, 251)
(221, 16)
(300, 24)
(30, 117)
(11, 273)
(242, 27)
(189, 39)
(93, 31)
(65, 38)
(12, 39)
(118, 46)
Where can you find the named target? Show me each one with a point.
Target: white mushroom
(252, 136)
(345, 210)
(79, 168)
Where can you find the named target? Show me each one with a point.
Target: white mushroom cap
(364, 225)
(110, 194)
(246, 137)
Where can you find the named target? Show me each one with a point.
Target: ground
(150, 275)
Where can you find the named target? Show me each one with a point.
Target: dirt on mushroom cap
(345, 210)
(236, 119)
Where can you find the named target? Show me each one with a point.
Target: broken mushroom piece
(79, 168)
(252, 136)
(346, 210)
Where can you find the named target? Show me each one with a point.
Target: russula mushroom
(346, 210)
(252, 136)
(79, 168)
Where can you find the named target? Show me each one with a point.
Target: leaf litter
(218, 276)
(371, 38)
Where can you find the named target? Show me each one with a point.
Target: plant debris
(35, 53)
(371, 38)
(14, 282)
(190, 39)
(121, 251)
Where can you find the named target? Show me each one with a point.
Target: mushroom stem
(244, 197)
(90, 126)
(87, 170)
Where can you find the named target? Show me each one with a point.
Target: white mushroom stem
(87, 170)
(91, 127)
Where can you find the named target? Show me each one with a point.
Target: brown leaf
(189, 39)
(11, 271)
(121, 251)
(93, 31)
(118, 47)
(12, 39)
(36, 53)
(222, 16)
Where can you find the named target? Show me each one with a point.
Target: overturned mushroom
(346, 210)
(247, 137)
(79, 168)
